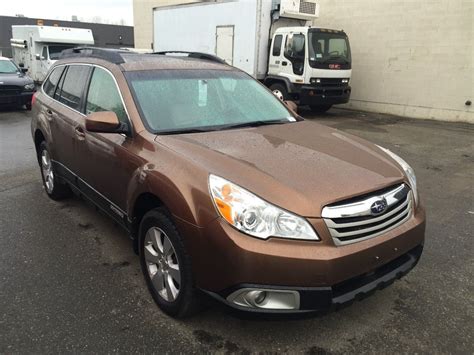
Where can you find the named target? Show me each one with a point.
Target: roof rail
(197, 55)
(108, 54)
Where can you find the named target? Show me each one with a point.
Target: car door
(107, 163)
(67, 107)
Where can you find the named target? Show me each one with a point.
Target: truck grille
(363, 218)
(307, 7)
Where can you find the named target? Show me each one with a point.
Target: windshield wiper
(252, 124)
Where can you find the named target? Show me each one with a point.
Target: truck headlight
(409, 172)
(254, 216)
(29, 86)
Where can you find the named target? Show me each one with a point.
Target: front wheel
(54, 188)
(320, 108)
(166, 265)
(279, 91)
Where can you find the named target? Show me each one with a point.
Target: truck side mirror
(24, 70)
(38, 57)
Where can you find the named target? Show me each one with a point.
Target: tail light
(33, 99)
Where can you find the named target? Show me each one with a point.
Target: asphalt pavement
(70, 282)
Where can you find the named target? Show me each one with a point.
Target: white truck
(36, 48)
(272, 40)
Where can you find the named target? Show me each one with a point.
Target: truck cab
(311, 66)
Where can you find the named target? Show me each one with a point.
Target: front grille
(307, 7)
(354, 220)
(9, 90)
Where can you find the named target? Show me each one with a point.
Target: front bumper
(324, 95)
(21, 98)
(314, 299)
(324, 274)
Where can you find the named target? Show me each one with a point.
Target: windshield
(327, 47)
(8, 67)
(203, 100)
(55, 51)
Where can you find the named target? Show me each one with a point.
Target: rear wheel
(166, 265)
(279, 91)
(320, 108)
(54, 188)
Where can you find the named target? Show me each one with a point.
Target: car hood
(299, 166)
(15, 79)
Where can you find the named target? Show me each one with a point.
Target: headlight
(410, 173)
(252, 215)
(29, 86)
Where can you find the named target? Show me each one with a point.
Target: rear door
(225, 43)
(64, 112)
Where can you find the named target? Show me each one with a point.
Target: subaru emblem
(378, 207)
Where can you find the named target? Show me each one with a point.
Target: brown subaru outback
(222, 187)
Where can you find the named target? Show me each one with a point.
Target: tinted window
(73, 86)
(44, 54)
(277, 45)
(104, 96)
(50, 83)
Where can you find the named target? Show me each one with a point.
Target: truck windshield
(180, 101)
(328, 47)
(7, 67)
(55, 51)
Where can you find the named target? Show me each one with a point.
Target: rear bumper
(18, 99)
(324, 95)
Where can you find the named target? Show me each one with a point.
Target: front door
(225, 43)
(107, 163)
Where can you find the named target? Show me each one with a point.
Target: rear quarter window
(50, 84)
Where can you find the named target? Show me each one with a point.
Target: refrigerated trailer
(36, 48)
(271, 40)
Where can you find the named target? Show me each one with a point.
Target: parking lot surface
(69, 280)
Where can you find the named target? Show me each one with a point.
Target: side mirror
(23, 70)
(38, 57)
(104, 122)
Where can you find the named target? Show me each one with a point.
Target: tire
(55, 189)
(280, 91)
(320, 108)
(166, 265)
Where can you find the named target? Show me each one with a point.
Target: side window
(295, 51)
(44, 54)
(103, 95)
(57, 92)
(73, 86)
(50, 83)
(277, 45)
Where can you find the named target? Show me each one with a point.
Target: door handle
(284, 63)
(49, 112)
(80, 133)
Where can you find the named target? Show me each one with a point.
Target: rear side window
(277, 45)
(50, 83)
(104, 96)
(73, 86)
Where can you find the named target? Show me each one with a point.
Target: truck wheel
(279, 91)
(166, 265)
(320, 108)
(54, 188)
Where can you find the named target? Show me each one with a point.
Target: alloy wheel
(47, 169)
(162, 264)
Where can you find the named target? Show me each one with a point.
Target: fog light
(266, 299)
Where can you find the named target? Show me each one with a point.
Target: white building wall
(411, 58)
